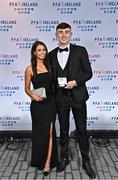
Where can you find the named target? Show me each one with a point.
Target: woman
(43, 112)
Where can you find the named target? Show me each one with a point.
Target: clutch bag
(40, 91)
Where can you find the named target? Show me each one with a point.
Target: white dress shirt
(63, 57)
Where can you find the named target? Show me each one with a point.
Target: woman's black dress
(43, 113)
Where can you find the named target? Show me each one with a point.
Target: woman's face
(40, 52)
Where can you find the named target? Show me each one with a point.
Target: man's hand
(70, 84)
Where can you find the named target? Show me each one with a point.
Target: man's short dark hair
(63, 25)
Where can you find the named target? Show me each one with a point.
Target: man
(71, 69)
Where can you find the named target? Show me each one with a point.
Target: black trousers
(79, 114)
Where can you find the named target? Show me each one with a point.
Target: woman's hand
(36, 97)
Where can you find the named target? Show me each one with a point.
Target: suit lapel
(70, 58)
(55, 61)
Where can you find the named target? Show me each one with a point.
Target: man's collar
(68, 46)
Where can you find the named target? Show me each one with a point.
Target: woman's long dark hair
(34, 60)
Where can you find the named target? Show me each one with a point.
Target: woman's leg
(47, 164)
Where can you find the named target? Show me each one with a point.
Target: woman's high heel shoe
(46, 173)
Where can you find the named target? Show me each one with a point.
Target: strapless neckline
(42, 73)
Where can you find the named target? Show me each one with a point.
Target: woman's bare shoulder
(29, 70)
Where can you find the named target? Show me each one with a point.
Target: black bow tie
(61, 50)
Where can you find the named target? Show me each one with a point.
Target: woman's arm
(28, 75)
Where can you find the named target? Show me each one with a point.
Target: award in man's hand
(40, 92)
(62, 81)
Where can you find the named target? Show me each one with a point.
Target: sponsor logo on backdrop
(115, 119)
(19, 74)
(44, 25)
(22, 105)
(23, 42)
(105, 105)
(66, 7)
(6, 25)
(8, 120)
(94, 57)
(107, 42)
(107, 7)
(74, 40)
(22, 7)
(115, 56)
(115, 89)
(87, 25)
(91, 120)
(8, 90)
(106, 75)
(92, 89)
(7, 59)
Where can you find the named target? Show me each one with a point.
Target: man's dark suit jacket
(79, 70)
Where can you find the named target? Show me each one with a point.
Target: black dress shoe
(89, 170)
(62, 165)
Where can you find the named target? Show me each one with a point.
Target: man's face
(63, 36)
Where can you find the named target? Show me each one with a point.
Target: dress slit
(48, 160)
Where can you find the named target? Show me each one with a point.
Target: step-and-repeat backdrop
(94, 25)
